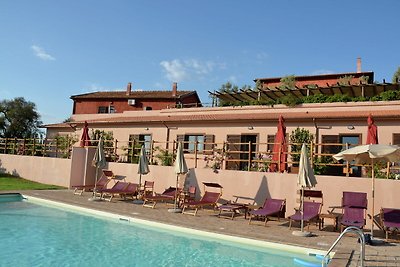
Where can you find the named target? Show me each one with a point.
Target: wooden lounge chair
(209, 199)
(310, 214)
(117, 189)
(132, 190)
(151, 201)
(390, 221)
(100, 184)
(272, 207)
(148, 189)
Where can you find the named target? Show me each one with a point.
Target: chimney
(129, 89)
(174, 89)
(358, 65)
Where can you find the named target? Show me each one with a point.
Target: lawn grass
(9, 182)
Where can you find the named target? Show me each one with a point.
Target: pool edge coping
(180, 229)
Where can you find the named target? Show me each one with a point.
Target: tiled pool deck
(347, 252)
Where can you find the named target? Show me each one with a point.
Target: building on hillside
(247, 132)
(121, 101)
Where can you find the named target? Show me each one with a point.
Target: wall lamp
(250, 127)
(350, 127)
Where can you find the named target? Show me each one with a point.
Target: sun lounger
(151, 201)
(208, 199)
(132, 190)
(311, 213)
(390, 221)
(352, 216)
(148, 189)
(101, 184)
(117, 189)
(272, 207)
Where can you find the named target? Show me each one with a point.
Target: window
(350, 141)
(135, 143)
(240, 147)
(191, 143)
(102, 109)
(205, 143)
(271, 142)
(396, 139)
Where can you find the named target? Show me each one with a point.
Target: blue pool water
(36, 235)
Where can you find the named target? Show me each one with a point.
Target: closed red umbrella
(279, 156)
(372, 137)
(85, 139)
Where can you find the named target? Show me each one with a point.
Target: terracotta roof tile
(244, 116)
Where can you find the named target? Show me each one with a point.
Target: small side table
(333, 216)
(232, 209)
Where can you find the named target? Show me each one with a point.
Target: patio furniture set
(353, 207)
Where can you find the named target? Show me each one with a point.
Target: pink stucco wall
(55, 171)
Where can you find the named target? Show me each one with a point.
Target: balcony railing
(247, 156)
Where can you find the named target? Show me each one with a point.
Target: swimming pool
(35, 234)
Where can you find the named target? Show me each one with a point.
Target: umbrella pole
(95, 182)
(302, 209)
(176, 192)
(176, 209)
(373, 197)
(140, 183)
(93, 198)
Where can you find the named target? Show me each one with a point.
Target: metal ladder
(352, 229)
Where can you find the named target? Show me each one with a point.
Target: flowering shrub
(215, 160)
(261, 162)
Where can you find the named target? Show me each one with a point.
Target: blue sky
(50, 50)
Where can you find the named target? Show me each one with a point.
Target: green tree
(297, 138)
(396, 76)
(345, 80)
(288, 82)
(19, 118)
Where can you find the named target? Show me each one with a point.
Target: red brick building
(120, 101)
(324, 80)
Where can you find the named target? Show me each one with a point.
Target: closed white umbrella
(99, 161)
(143, 167)
(305, 179)
(180, 167)
(368, 154)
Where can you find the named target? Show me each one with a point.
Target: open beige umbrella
(99, 161)
(306, 179)
(370, 154)
(180, 167)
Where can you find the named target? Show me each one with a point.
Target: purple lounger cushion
(311, 211)
(355, 200)
(353, 217)
(271, 207)
(391, 218)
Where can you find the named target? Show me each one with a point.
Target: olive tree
(18, 118)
